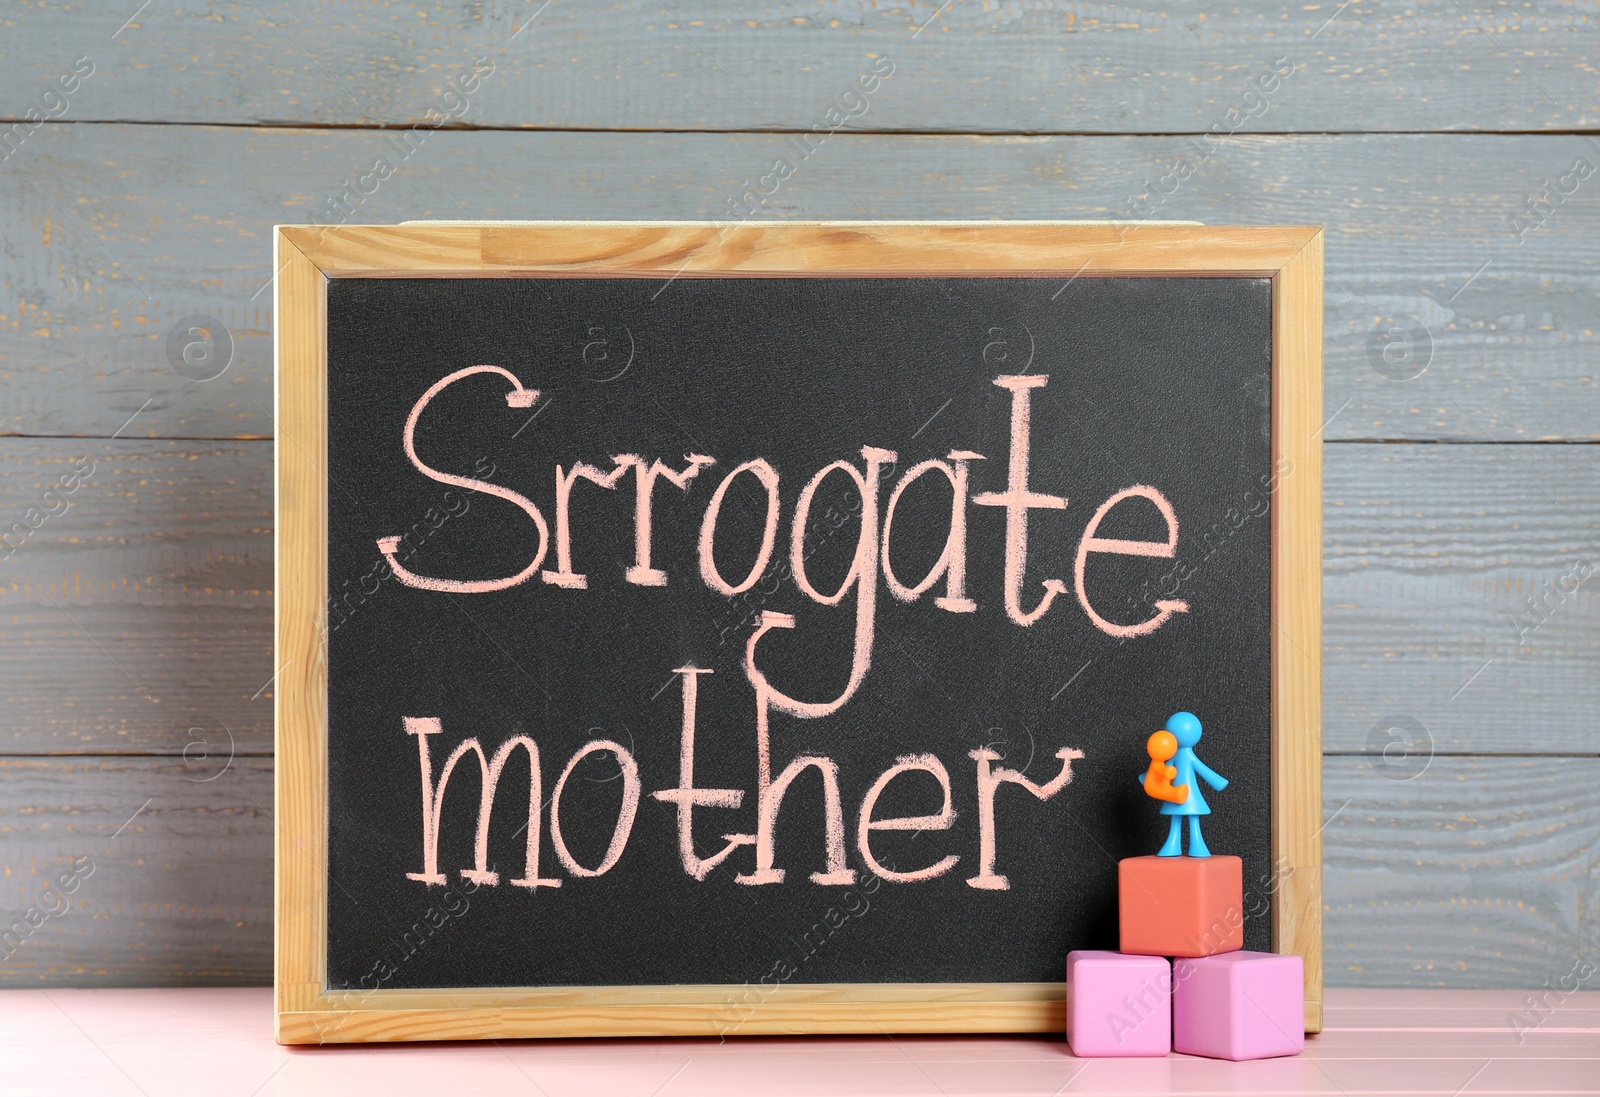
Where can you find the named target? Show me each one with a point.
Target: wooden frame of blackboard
(307, 256)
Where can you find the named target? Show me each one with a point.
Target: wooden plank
(136, 598)
(178, 892)
(1297, 614)
(1417, 892)
(1358, 1007)
(1432, 555)
(78, 685)
(1480, 873)
(300, 639)
(105, 252)
(1035, 68)
(854, 248)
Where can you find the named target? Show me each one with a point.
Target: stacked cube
(1181, 981)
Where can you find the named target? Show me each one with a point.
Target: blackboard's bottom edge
(840, 1009)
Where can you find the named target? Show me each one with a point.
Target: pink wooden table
(217, 1043)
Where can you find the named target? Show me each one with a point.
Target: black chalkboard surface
(1030, 640)
(693, 628)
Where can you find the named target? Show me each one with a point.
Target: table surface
(217, 1043)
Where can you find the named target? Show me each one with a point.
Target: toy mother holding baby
(1170, 778)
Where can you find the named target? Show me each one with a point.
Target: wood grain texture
(1037, 66)
(1478, 872)
(565, 1012)
(300, 636)
(179, 895)
(136, 598)
(1297, 615)
(306, 256)
(1432, 555)
(844, 249)
(110, 234)
(104, 248)
(1416, 892)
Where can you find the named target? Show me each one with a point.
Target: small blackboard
(702, 647)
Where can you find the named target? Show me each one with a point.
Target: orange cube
(1181, 906)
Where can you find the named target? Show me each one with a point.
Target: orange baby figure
(1157, 780)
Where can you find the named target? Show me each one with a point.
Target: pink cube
(1239, 1005)
(1118, 1005)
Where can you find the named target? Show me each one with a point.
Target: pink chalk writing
(952, 562)
(641, 572)
(769, 793)
(564, 576)
(687, 797)
(433, 806)
(1164, 549)
(768, 477)
(989, 782)
(863, 575)
(907, 763)
(625, 814)
(1017, 500)
(871, 477)
(518, 397)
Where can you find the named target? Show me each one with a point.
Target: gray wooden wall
(1462, 316)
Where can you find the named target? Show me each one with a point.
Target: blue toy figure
(1185, 728)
